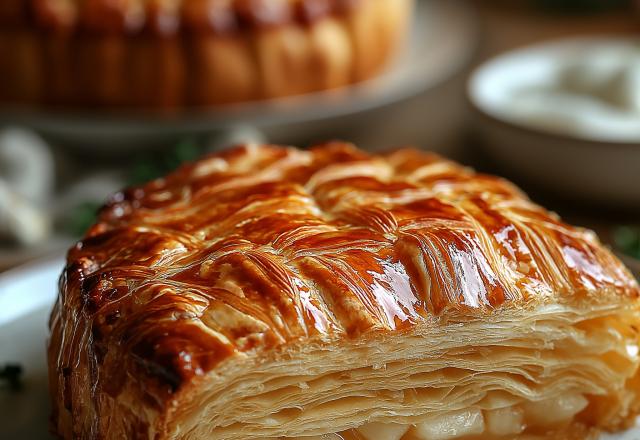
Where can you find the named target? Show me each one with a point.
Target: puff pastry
(270, 292)
(168, 54)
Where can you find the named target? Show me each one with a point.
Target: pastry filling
(530, 418)
(530, 377)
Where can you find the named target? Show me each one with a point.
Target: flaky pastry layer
(271, 292)
(519, 356)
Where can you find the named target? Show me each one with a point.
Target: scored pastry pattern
(259, 246)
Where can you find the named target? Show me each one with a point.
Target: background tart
(185, 53)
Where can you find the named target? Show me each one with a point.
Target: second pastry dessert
(163, 54)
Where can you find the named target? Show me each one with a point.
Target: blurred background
(543, 92)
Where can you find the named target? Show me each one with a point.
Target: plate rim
(13, 303)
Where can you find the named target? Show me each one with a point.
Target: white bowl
(572, 166)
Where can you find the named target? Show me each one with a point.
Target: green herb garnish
(81, 217)
(149, 167)
(11, 374)
(627, 239)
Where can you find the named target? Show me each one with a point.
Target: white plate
(440, 43)
(26, 295)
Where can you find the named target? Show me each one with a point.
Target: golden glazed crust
(268, 291)
(166, 54)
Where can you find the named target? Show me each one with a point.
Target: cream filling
(474, 423)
